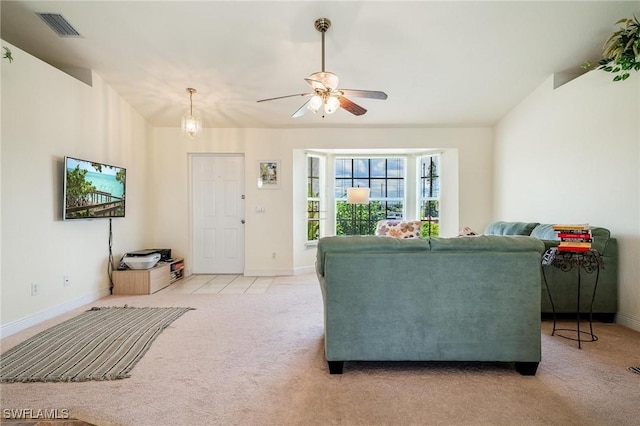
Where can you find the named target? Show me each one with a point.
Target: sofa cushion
(399, 228)
(495, 243)
(544, 231)
(510, 228)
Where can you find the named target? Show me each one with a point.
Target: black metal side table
(590, 262)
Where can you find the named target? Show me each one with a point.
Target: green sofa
(438, 299)
(563, 284)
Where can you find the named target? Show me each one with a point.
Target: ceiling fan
(325, 92)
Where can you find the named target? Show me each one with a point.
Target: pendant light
(191, 124)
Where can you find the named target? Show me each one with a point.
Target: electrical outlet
(273, 255)
(66, 281)
(35, 289)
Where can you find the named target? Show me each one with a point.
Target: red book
(574, 235)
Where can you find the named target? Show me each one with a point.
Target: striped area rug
(99, 344)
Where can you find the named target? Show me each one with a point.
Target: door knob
(242, 221)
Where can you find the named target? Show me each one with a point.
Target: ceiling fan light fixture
(191, 123)
(315, 103)
(331, 105)
(324, 88)
(327, 79)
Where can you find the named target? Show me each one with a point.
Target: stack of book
(574, 238)
(177, 270)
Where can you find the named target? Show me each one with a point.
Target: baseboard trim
(13, 327)
(628, 321)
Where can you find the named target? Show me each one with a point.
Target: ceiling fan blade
(283, 97)
(300, 111)
(373, 94)
(352, 107)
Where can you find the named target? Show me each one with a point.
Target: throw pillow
(466, 232)
(399, 228)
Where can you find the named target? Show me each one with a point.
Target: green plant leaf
(621, 51)
(7, 54)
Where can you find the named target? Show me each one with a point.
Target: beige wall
(281, 229)
(590, 122)
(514, 174)
(46, 114)
(572, 154)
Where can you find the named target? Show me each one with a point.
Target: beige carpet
(256, 359)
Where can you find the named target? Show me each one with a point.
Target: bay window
(401, 187)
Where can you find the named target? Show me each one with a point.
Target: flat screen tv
(93, 190)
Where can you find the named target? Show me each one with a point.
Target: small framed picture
(268, 174)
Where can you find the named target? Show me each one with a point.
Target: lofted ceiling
(441, 63)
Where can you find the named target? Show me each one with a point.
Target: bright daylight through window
(385, 177)
(391, 192)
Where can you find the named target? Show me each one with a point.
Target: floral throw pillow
(399, 228)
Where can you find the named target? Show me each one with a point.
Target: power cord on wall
(110, 261)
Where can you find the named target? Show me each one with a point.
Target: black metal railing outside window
(385, 177)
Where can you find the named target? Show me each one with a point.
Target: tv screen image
(93, 190)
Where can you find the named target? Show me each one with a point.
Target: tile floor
(219, 284)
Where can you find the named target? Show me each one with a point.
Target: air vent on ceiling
(59, 24)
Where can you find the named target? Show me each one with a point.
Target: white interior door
(217, 184)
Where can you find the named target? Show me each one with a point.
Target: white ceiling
(441, 63)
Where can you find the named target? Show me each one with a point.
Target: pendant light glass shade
(191, 123)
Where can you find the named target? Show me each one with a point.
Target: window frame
(327, 173)
(365, 180)
(431, 223)
(314, 200)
